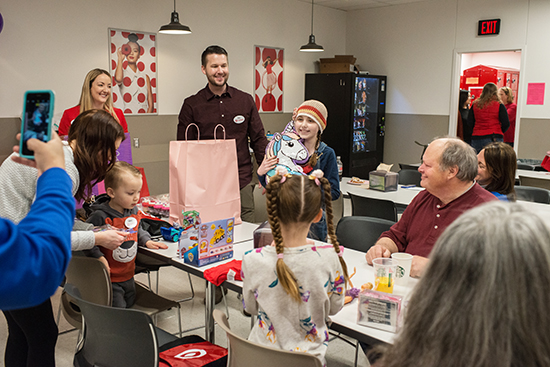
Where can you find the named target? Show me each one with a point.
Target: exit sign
(487, 27)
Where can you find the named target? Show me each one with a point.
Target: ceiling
(348, 5)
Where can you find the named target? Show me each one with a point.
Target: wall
(52, 44)
(416, 44)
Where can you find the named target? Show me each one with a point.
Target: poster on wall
(133, 62)
(268, 78)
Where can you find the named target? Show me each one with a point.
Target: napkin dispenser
(383, 180)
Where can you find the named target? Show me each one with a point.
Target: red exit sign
(487, 27)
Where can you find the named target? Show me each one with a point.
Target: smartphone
(36, 121)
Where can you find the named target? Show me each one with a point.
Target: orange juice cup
(385, 270)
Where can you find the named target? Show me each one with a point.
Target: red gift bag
(204, 176)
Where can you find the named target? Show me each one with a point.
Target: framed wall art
(133, 60)
(268, 78)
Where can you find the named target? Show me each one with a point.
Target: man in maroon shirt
(448, 171)
(218, 103)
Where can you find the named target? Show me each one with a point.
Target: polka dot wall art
(133, 67)
(268, 78)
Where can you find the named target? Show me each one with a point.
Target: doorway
(502, 63)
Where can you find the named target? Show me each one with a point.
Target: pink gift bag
(204, 176)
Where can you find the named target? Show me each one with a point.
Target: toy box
(379, 310)
(207, 243)
(383, 181)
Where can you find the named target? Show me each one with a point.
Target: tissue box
(209, 243)
(383, 181)
(262, 235)
(379, 310)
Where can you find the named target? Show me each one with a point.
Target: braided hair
(297, 199)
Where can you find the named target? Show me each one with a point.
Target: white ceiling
(348, 5)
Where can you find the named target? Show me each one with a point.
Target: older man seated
(448, 173)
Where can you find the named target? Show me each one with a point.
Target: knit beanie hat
(314, 110)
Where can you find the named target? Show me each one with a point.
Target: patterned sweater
(282, 322)
(18, 191)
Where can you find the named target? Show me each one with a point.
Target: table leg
(209, 308)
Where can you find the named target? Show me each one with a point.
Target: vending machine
(356, 105)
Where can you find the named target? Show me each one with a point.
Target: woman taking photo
(488, 118)
(89, 153)
(496, 172)
(96, 94)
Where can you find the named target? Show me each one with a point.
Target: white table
(534, 174)
(343, 322)
(402, 196)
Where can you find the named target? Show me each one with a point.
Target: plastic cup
(385, 270)
(403, 267)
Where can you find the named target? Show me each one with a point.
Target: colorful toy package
(210, 242)
(380, 310)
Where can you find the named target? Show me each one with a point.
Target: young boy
(118, 208)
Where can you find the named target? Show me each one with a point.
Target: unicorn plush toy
(289, 148)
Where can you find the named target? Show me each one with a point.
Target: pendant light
(175, 27)
(312, 46)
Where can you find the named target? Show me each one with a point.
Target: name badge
(239, 119)
(130, 222)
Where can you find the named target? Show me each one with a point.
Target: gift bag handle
(216, 128)
(198, 131)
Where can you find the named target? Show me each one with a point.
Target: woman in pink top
(507, 97)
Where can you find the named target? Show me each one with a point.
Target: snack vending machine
(356, 105)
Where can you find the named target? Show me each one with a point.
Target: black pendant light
(311, 45)
(175, 27)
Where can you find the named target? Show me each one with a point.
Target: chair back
(369, 207)
(526, 166)
(534, 182)
(115, 337)
(410, 177)
(361, 233)
(244, 353)
(535, 194)
(91, 278)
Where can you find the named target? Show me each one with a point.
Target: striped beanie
(314, 110)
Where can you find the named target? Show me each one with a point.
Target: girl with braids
(295, 285)
(309, 122)
(89, 153)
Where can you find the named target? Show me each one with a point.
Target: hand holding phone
(36, 121)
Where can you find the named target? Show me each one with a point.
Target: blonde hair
(297, 200)
(484, 298)
(113, 178)
(509, 95)
(86, 100)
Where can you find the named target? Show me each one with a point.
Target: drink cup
(403, 267)
(384, 274)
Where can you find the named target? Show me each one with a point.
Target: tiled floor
(174, 284)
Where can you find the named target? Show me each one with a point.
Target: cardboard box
(337, 64)
(383, 181)
(209, 243)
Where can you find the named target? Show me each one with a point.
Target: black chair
(410, 177)
(361, 233)
(116, 336)
(409, 166)
(369, 207)
(540, 169)
(535, 194)
(525, 166)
